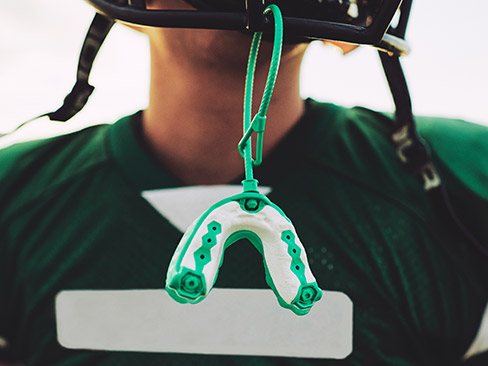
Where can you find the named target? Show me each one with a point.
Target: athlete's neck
(194, 119)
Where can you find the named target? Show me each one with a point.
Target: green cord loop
(258, 123)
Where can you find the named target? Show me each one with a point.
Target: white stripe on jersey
(228, 322)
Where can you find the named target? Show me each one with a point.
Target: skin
(194, 119)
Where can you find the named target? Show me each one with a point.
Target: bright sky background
(40, 42)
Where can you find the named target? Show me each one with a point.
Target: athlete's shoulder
(461, 148)
(349, 135)
(355, 143)
(355, 146)
(29, 169)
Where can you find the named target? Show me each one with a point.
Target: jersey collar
(138, 164)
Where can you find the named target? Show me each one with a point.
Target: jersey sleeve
(8, 158)
(30, 171)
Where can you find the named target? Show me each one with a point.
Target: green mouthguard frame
(249, 215)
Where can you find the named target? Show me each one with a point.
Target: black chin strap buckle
(255, 18)
(415, 155)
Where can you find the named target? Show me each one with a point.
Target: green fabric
(72, 217)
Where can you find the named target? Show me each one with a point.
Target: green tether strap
(258, 123)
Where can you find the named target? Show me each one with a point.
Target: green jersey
(73, 217)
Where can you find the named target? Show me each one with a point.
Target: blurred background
(40, 42)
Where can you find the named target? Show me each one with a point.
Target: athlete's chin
(225, 48)
(203, 48)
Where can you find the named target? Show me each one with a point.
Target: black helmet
(354, 21)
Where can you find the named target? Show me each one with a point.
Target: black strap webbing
(77, 98)
(414, 152)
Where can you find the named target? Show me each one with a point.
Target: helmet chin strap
(78, 97)
(414, 152)
(250, 215)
